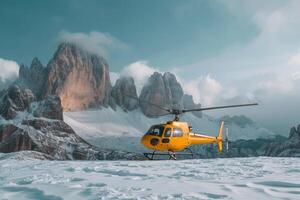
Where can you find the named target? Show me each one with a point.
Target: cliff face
(163, 90)
(33, 77)
(188, 103)
(287, 148)
(79, 78)
(122, 92)
(15, 100)
(38, 126)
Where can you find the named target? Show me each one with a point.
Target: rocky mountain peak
(188, 103)
(163, 90)
(45, 132)
(33, 77)
(290, 147)
(121, 91)
(295, 132)
(36, 64)
(80, 78)
(14, 100)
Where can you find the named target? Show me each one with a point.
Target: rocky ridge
(15, 100)
(81, 80)
(33, 77)
(124, 94)
(38, 126)
(287, 148)
(188, 103)
(163, 90)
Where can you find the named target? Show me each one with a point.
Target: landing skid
(171, 154)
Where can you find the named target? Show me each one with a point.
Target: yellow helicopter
(177, 136)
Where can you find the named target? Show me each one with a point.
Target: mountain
(27, 125)
(15, 100)
(122, 93)
(79, 78)
(33, 77)
(188, 103)
(163, 90)
(287, 148)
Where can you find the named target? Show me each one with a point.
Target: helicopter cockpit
(160, 130)
(156, 130)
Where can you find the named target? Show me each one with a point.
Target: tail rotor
(227, 140)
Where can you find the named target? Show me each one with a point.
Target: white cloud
(296, 76)
(94, 41)
(114, 77)
(204, 89)
(9, 69)
(294, 60)
(270, 23)
(140, 71)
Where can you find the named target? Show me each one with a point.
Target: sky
(222, 51)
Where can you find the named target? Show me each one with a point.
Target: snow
(238, 178)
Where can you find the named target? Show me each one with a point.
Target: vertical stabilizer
(219, 138)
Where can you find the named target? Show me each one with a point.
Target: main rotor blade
(219, 107)
(147, 102)
(160, 115)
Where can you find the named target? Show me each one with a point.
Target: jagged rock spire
(80, 78)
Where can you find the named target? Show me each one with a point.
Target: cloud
(9, 69)
(294, 60)
(296, 75)
(140, 71)
(204, 89)
(94, 41)
(114, 77)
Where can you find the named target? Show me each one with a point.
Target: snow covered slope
(239, 178)
(93, 125)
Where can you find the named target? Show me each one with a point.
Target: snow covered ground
(238, 178)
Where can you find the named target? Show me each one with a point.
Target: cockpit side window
(168, 132)
(156, 131)
(177, 132)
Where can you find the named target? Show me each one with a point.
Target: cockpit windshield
(156, 131)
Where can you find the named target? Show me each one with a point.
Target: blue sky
(222, 51)
(167, 33)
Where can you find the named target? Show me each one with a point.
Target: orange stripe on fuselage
(196, 138)
(200, 135)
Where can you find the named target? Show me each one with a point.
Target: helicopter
(174, 137)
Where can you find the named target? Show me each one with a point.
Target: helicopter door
(166, 139)
(167, 134)
(178, 140)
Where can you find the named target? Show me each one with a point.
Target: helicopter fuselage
(176, 136)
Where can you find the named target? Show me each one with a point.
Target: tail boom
(205, 139)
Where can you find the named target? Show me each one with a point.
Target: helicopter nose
(149, 142)
(143, 141)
